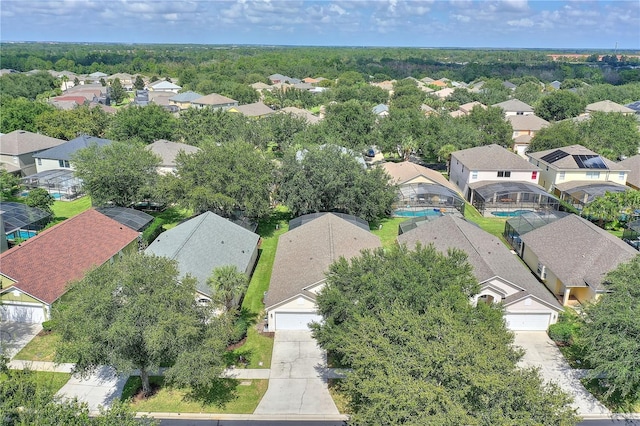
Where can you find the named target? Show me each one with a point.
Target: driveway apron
(15, 335)
(298, 378)
(542, 352)
(99, 389)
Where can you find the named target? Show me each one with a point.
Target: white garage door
(527, 322)
(295, 320)
(22, 313)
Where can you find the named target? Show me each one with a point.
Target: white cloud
(524, 22)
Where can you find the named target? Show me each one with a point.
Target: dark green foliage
(560, 105)
(611, 330)
(138, 84)
(48, 326)
(563, 133)
(329, 178)
(16, 85)
(40, 198)
(146, 124)
(9, 184)
(349, 124)
(612, 133)
(120, 173)
(117, 92)
(566, 331)
(227, 179)
(419, 352)
(21, 114)
(492, 126)
(152, 232)
(198, 125)
(69, 124)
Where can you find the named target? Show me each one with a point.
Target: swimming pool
(56, 195)
(417, 213)
(510, 214)
(22, 234)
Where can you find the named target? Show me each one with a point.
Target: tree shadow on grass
(219, 393)
(236, 354)
(269, 225)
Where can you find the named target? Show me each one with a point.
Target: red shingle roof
(46, 263)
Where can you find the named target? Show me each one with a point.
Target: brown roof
(633, 165)
(214, 99)
(488, 256)
(578, 252)
(305, 253)
(256, 109)
(608, 106)
(406, 171)
(527, 122)
(22, 142)
(46, 263)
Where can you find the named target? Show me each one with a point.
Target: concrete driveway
(99, 389)
(298, 378)
(15, 335)
(543, 353)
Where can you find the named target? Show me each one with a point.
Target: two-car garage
(292, 320)
(528, 321)
(22, 312)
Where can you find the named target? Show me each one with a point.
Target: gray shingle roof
(578, 252)
(514, 105)
(256, 109)
(213, 99)
(305, 253)
(608, 106)
(486, 253)
(67, 149)
(491, 157)
(204, 243)
(22, 142)
(568, 162)
(633, 165)
(527, 122)
(168, 150)
(185, 97)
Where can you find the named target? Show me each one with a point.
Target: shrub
(240, 327)
(48, 326)
(562, 332)
(152, 232)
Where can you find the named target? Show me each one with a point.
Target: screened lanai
(580, 193)
(508, 199)
(631, 234)
(416, 198)
(21, 221)
(62, 184)
(519, 225)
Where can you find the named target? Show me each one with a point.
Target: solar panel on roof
(554, 156)
(589, 161)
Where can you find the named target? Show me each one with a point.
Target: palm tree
(65, 79)
(228, 286)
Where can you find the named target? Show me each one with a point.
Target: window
(593, 175)
(520, 113)
(64, 163)
(534, 175)
(561, 176)
(504, 174)
(621, 175)
(542, 271)
(474, 174)
(39, 161)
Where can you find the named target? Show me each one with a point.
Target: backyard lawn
(387, 230)
(494, 226)
(232, 396)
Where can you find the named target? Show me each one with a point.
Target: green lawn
(63, 210)
(493, 225)
(614, 404)
(53, 381)
(171, 216)
(387, 230)
(232, 396)
(40, 348)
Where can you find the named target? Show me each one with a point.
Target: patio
(508, 199)
(61, 184)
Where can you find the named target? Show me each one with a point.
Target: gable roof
(298, 112)
(164, 85)
(608, 106)
(486, 253)
(168, 151)
(214, 99)
(65, 150)
(578, 252)
(514, 105)
(567, 157)
(380, 108)
(185, 97)
(469, 106)
(406, 171)
(491, 157)
(45, 264)
(633, 165)
(256, 109)
(21, 142)
(260, 86)
(304, 254)
(527, 122)
(205, 242)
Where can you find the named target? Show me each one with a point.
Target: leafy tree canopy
(21, 114)
(560, 105)
(9, 184)
(40, 198)
(121, 173)
(68, 124)
(146, 124)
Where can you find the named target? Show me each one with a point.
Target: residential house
(386, 85)
(514, 107)
(17, 150)
(163, 86)
(555, 84)
(126, 79)
(635, 106)
(577, 174)
(59, 157)
(205, 242)
(427, 110)
(381, 110)
(572, 256)
(633, 165)
(183, 100)
(509, 85)
(214, 101)
(466, 109)
(168, 151)
(161, 98)
(280, 79)
(444, 93)
(525, 222)
(97, 75)
(496, 181)
(303, 257)
(34, 274)
(528, 305)
(525, 128)
(260, 86)
(256, 109)
(298, 112)
(608, 106)
(420, 187)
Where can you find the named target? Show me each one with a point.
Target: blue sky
(422, 23)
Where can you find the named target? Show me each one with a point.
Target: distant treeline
(236, 63)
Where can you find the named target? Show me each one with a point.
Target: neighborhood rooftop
(492, 157)
(574, 157)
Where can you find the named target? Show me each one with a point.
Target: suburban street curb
(213, 416)
(613, 416)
